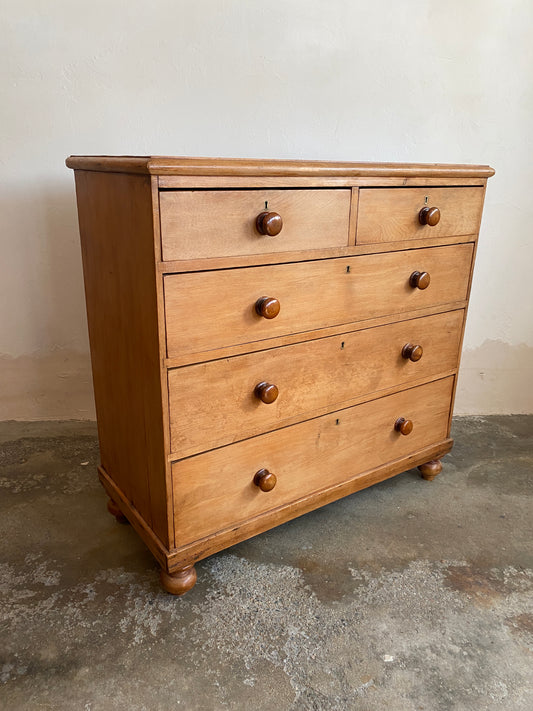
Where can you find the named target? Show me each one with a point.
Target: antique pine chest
(268, 336)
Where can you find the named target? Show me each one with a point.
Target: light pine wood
(306, 457)
(116, 229)
(311, 377)
(220, 305)
(239, 386)
(220, 167)
(212, 182)
(354, 206)
(183, 556)
(195, 265)
(162, 487)
(389, 215)
(222, 223)
(289, 339)
(159, 550)
(415, 382)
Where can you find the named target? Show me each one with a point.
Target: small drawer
(213, 404)
(395, 214)
(216, 309)
(223, 223)
(226, 486)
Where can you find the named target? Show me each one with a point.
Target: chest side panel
(116, 228)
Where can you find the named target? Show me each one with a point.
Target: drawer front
(392, 214)
(222, 223)
(216, 403)
(215, 490)
(208, 310)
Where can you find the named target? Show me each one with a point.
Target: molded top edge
(162, 165)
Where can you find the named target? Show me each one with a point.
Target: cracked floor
(409, 595)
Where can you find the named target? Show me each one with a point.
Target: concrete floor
(407, 596)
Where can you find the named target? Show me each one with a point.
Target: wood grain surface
(247, 371)
(208, 310)
(311, 377)
(222, 223)
(115, 217)
(390, 214)
(202, 547)
(304, 458)
(246, 167)
(352, 250)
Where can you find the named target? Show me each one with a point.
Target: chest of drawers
(268, 336)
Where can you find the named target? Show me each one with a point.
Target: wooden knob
(430, 470)
(267, 307)
(403, 426)
(265, 480)
(266, 392)
(269, 223)
(419, 280)
(429, 216)
(412, 352)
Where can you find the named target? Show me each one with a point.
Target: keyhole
(266, 204)
(426, 200)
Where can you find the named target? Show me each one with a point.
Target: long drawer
(246, 395)
(391, 214)
(222, 223)
(221, 308)
(215, 490)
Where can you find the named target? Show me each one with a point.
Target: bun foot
(116, 512)
(179, 582)
(430, 470)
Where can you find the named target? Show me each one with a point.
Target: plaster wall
(419, 80)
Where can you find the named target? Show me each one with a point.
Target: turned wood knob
(429, 216)
(419, 280)
(412, 352)
(265, 480)
(403, 426)
(179, 581)
(116, 512)
(267, 307)
(266, 392)
(269, 223)
(430, 470)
